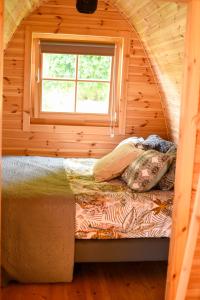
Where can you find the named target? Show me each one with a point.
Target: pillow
(146, 171)
(167, 181)
(136, 141)
(157, 143)
(114, 163)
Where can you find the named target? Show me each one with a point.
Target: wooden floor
(112, 281)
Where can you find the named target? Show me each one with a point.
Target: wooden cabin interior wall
(144, 110)
(161, 26)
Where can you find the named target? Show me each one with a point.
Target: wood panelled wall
(144, 111)
(161, 26)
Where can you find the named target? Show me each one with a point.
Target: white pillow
(114, 163)
(132, 140)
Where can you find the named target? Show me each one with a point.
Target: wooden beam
(186, 148)
(190, 247)
(1, 83)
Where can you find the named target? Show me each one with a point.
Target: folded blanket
(38, 217)
(157, 143)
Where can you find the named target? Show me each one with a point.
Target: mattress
(111, 210)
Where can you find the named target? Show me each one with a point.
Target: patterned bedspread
(111, 210)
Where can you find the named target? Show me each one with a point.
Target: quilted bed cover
(111, 210)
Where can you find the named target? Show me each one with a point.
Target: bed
(108, 220)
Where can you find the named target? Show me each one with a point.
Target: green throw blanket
(38, 217)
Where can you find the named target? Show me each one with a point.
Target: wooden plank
(191, 243)
(27, 83)
(1, 99)
(99, 281)
(186, 148)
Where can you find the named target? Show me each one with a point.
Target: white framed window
(74, 80)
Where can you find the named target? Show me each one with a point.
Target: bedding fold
(38, 218)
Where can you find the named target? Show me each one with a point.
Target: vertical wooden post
(193, 233)
(1, 86)
(186, 148)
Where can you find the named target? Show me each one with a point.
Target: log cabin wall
(161, 27)
(144, 110)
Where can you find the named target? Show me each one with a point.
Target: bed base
(137, 249)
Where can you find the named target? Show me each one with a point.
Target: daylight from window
(76, 83)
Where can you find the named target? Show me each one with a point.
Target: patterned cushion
(157, 143)
(146, 171)
(172, 150)
(167, 181)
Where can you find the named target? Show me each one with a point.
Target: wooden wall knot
(184, 229)
(7, 79)
(39, 13)
(144, 124)
(27, 112)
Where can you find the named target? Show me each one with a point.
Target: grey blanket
(38, 217)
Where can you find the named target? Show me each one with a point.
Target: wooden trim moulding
(186, 149)
(27, 82)
(1, 102)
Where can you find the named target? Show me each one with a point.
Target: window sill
(78, 129)
(72, 122)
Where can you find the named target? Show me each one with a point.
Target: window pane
(93, 97)
(58, 96)
(94, 67)
(59, 66)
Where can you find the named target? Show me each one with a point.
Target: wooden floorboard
(103, 281)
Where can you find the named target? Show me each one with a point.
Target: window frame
(102, 123)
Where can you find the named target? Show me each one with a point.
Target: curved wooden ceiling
(161, 26)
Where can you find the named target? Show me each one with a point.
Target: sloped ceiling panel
(15, 11)
(161, 26)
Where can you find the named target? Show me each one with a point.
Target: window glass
(58, 96)
(59, 66)
(93, 97)
(63, 90)
(94, 67)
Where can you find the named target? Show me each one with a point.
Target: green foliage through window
(59, 81)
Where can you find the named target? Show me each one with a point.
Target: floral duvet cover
(111, 210)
